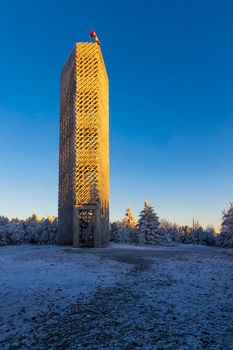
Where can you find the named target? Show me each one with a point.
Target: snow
(171, 247)
(35, 279)
(121, 297)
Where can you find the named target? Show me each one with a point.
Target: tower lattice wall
(84, 149)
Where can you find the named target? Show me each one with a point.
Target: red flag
(93, 35)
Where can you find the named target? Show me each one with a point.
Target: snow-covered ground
(122, 297)
(35, 280)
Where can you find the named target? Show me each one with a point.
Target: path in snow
(116, 298)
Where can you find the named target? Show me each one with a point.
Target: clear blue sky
(170, 65)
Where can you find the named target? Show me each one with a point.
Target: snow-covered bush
(32, 230)
(225, 238)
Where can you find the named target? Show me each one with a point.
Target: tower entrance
(87, 227)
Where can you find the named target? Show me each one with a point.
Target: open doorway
(87, 227)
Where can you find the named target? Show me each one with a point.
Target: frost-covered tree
(186, 234)
(169, 230)
(32, 230)
(118, 232)
(196, 232)
(225, 238)
(113, 232)
(129, 227)
(129, 219)
(125, 230)
(208, 236)
(41, 230)
(148, 226)
(51, 218)
(3, 233)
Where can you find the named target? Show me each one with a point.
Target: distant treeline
(148, 230)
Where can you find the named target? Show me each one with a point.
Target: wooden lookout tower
(83, 209)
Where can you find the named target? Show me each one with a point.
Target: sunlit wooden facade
(83, 213)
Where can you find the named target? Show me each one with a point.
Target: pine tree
(114, 231)
(129, 227)
(208, 236)
(225, 239)
(129, 219)
(148, 226)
